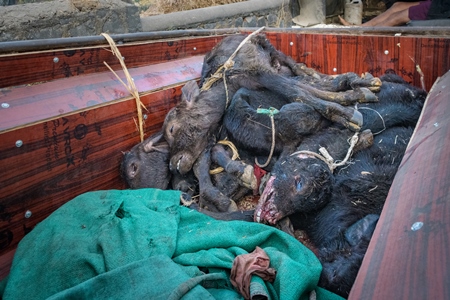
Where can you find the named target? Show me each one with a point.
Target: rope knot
(271, 111)
(327, 158)
(228, 64)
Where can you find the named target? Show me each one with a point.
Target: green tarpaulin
(141, 244)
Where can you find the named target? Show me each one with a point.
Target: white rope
(381, 117)
(272, 147)
(326, 157)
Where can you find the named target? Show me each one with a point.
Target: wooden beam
(32, 67)
(341, 53)
(36, 103)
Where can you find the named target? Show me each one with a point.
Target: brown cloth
(246, 265)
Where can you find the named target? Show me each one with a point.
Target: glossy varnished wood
(334, 54)
(64, 157)
(73, 132)
(35, 103)
(408, 256)
(27, 68)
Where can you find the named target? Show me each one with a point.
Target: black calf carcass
(251, 130)
(328, 206)
(195, 120)
(338, 208)
(399, 105)
(146, 165)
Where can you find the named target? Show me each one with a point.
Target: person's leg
(397, 14)
(395, 19)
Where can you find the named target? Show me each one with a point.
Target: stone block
(261, 22)
(272, 20)
(238, 22)
(250, 21)
(68, 18)
(209, 26)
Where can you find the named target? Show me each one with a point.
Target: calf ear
(190, 92)
(150, 144)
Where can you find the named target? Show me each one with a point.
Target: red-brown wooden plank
(5, 263)
(26, 68)
(433, 57)
(29, 104)
(67, 156)
(406, 55)
(404, 260)
(334, 54)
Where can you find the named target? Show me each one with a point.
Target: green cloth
(141, 244)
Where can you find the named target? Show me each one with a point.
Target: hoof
(186, 199)
(369, 96)
(248, 178)
(368, 81)
(367, 76)
(365, 140)
(233, 206)
(357, 118)
(361, 230)
(375, 85)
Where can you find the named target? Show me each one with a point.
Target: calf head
(190, 125)
(299, 183)
(146, 165)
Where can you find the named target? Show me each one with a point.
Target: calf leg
(240, 215)
(361, 230)
(346, 116)
(210, 197)
(337, 83)
(365, 140)
(243, 172)
(341, 266)
(361, 95)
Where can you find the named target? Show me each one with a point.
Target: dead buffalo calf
(146, 165)
(249, 126)
(306, 177)
(399, 104)
(344, 227)
(327, 213)
(190, 126)
(302, 181)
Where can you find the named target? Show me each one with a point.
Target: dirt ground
(156, 7)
